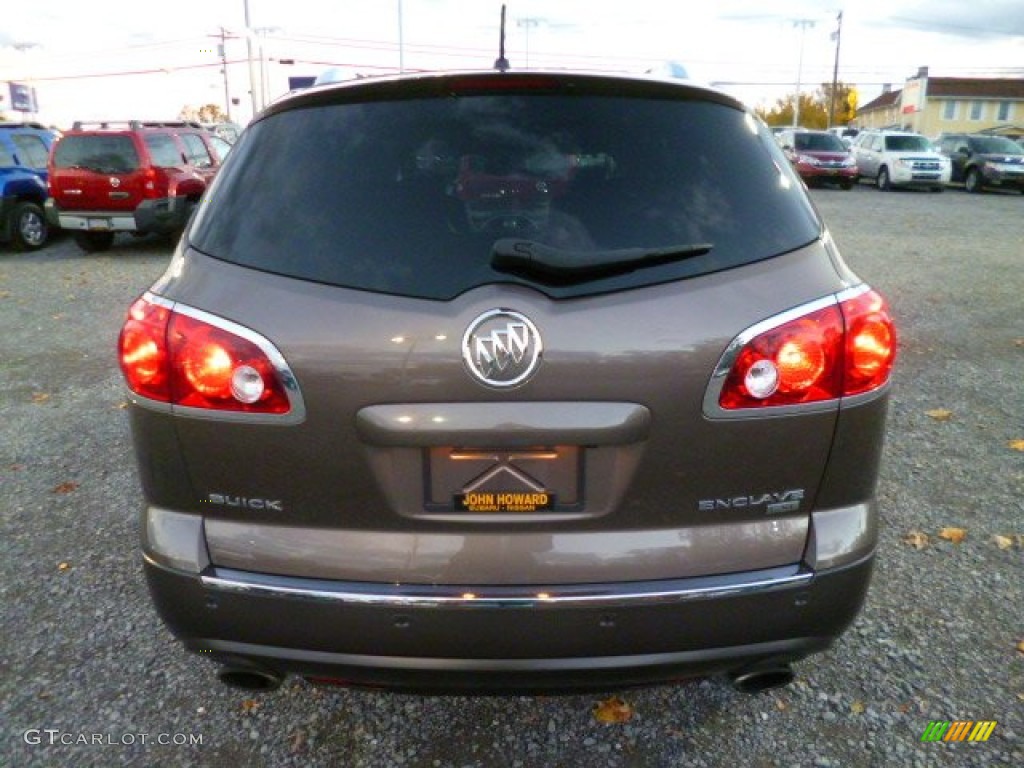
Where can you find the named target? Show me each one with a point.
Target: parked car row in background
(102, 178)
(904, 159)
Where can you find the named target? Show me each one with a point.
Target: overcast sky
(79, 54)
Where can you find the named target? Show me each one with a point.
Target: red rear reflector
(176, 358)
(834, 351)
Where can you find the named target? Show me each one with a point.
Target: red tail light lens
(191, 359)
(143, 350)
(870, 343)
(832, 351)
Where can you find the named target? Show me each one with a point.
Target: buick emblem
(501, 348)
(115, 182)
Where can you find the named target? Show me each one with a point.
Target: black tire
(92, 242)
(972, 181)
(847, 184)
(883, 181)
(938, 189)
(28, 227)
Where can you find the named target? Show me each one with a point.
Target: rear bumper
(163, 215)
(450, 639)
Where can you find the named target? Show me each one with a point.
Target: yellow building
(934, 105)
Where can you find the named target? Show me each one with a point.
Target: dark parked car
(508, 382)
(981, 161)
(139, 177)
(24, 148)
(819, 156)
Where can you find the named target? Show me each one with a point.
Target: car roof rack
(133, 125)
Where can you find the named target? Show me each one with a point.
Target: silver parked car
(508, 382)
(900, 159)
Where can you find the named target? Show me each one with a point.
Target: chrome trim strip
(426, 596)
(296, 415)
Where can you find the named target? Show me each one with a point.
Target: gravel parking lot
(90, 677)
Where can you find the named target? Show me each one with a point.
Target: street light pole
(401, 40)
(803, 24)
(835, 71)
(528, 24)
(248, 49)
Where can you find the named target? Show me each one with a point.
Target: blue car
(24, 150)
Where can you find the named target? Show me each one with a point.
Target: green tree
(814, 107)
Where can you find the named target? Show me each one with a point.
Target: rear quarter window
(163, 150)
(408, 197)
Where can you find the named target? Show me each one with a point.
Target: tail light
(190, 359)
(151, 188)
(821, 352)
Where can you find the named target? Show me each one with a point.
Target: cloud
(979, 20)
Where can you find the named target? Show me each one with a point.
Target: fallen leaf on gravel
(613, 710)
(1018, 342)
(955, 535)
(857, 707)
(123, 405)
(916, 539)
(298, 740)
(939, 414)
(40, 397)
(781, 705)
(248, 705)
(1016, 445)
(63, 566)
(1020, 647)
(65, 488)
(1007, 542)
(905, 707)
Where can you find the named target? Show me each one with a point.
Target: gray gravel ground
(84, 658)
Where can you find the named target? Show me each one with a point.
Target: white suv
(900, 159)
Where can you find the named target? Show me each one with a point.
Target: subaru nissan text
(493, 382)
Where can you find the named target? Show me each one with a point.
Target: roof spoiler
(133, 125)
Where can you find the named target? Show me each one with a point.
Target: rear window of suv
(97, 152)
(409, 197)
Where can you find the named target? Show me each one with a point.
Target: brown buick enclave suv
(508, 382)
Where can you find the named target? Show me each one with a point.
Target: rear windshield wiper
(556, 264)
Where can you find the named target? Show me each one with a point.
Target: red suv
(135, 176)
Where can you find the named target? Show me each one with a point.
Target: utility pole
(835, 70)
(224, 71)
(803, 24)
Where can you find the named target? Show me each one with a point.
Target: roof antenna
(501, 63)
